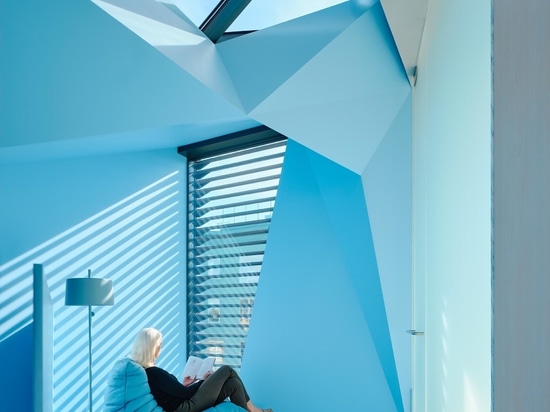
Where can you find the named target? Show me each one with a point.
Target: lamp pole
(89, 292)
(90, 314)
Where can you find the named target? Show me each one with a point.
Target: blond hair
(145, 346)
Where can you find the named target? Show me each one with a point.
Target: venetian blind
(231, 200)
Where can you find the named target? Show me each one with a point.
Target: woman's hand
(207, 374)
(188, 380)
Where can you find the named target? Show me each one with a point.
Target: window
(231, 200)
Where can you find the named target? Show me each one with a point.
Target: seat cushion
(128, 389)
(226, 407)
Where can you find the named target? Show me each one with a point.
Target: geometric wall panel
(69, 70)
(342, 101)
(177, 38)
(319, 317)
(261, 62)
(388, 191)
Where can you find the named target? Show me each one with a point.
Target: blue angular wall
(336, 276)
(320, 333)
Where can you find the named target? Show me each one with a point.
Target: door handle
(415, 332)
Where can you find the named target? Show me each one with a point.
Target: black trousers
(222, 384)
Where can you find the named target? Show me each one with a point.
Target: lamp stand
(89, 292)
(90, 314)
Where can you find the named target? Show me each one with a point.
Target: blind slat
(231, 200)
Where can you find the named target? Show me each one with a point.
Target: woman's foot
(253, 408)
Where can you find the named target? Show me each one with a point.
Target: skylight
(257, 14)
(261, 14)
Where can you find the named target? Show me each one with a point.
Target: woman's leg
(222, 384)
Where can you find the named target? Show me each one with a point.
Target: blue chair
(128, 391)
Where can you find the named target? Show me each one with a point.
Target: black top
(167, 390)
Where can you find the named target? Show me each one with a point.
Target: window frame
(239, 141)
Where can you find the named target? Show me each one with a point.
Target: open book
(197, 367)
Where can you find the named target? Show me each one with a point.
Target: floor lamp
(89, 292)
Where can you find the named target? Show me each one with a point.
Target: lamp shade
(89, 292)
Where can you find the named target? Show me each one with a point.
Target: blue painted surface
(70, 70)
(257, 70)
(387, 182)
(16, 371)
(121, 216)
(342, 102)
(321, 303)
(319, 336)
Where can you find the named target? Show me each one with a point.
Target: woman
(189, 396)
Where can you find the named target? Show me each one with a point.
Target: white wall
(452, 209)
(521, 206)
